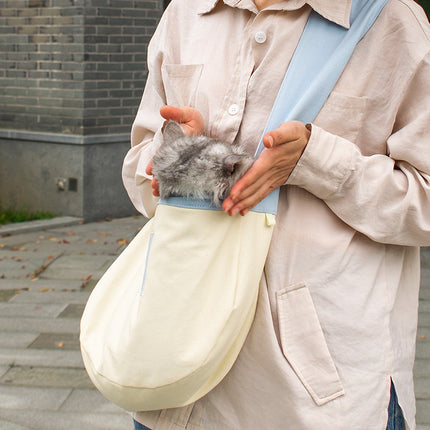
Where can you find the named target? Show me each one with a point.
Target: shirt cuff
(325, 164)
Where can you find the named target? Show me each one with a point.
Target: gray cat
(197, 167)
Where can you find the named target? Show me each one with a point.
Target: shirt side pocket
(304, 346)
(180, 83)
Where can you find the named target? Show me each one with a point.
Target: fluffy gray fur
(197, 167)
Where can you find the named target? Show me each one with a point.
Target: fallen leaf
(122, 241)
(65, 241)
(85, 281)
(103, 234)
(23, 249)
(92, 240)
(43, 290)
(60, 344)
(34, 279)
(70, 233)
(422, 337)
(15, 248)
(53, 239)
(2, 276)
(50, 257)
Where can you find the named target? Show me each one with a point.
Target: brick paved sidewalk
(45, 280)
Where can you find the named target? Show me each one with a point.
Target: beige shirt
(337, 310)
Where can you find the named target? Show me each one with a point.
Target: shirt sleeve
(146, 135)
(385, 197)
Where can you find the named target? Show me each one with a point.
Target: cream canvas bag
(167, 320)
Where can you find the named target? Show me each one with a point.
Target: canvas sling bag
(168, 319)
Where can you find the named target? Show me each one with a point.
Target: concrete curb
(43, 224)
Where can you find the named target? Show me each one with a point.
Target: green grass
(9, 215)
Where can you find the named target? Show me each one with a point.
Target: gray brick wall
(73, 66)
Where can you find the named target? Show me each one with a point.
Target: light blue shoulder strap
(323, 51)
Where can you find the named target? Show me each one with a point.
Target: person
(333, 340)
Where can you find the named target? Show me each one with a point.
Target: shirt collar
(337, 11)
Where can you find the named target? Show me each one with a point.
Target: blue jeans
(396, 420)
(395, 415)
(138, 426)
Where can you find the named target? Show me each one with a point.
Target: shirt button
(233, 109)
(260, 37)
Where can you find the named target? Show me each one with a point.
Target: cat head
(198, 166)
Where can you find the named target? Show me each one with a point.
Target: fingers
(253, 187)
(172, 113)
(287, 132)
(191, 119)
(148, 169)
(154, 182)
(283, 148)
(155, 189)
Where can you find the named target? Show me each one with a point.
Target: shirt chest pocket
(304, 345)
(343, 115)
(181, 82)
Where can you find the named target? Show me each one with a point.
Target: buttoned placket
(230, 117)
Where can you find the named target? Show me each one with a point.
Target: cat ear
(231, 162)
(172, 131)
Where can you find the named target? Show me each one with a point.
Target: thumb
(171, 113)
(268, 141)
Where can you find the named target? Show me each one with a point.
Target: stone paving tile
(425, 306)
(421, 368)
(422, 387)
(53, 420)
(72, 311)
(423, 407)
(30, 310)
(49, 297)
(40, 325)
(78, 267)
(7, 425)
(6, 295)
(3, 370)
(40, 357)
(64, 341)
(32, 398)
(19, 264)
(89, 401)
(38, 284)
(56, 377)
(425, 292)
(16, 340)
(423, 349)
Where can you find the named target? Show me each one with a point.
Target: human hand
(190, 119)
(192, 124)
(283, 149)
